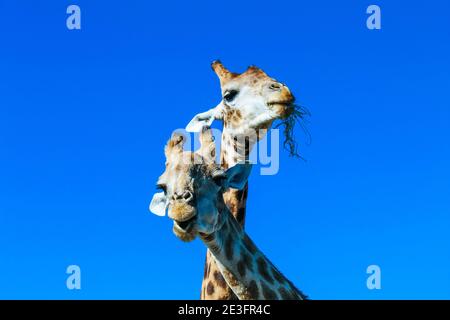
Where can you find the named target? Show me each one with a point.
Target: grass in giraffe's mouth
(295, 114)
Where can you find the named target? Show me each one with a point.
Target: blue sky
(84, 116)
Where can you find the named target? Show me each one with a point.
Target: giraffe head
(192, 187)
(251, 99)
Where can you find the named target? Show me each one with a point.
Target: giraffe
(251, 102)
(193, 186)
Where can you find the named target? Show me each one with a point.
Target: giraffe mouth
(286, 103)
(186, 225)
(283, 108)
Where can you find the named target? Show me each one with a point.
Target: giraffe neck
(246, 270)
(233, 150)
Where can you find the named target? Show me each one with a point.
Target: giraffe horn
(207, 145)
(175, 144)
(222, 72)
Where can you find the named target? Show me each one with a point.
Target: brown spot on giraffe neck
(223, 162)
(232, 118)
(253, 290)
(245, 263)
(229, 250)
(249, 245)
(242, 268)
(262, 269)
(219, 279)
(247, 260)
(210, 288)
(268, 293)
(278, 276)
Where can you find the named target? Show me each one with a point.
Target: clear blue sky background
(84, 116)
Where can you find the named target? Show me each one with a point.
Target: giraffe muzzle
(183, 214)
(181, 211)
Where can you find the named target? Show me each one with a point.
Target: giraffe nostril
(275, 86)
(187, 195)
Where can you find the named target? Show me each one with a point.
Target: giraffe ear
(158, 205)
(237, 176)
(204, 119)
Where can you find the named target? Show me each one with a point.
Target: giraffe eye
(162, 187)
(230, 95)
(219, 178)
